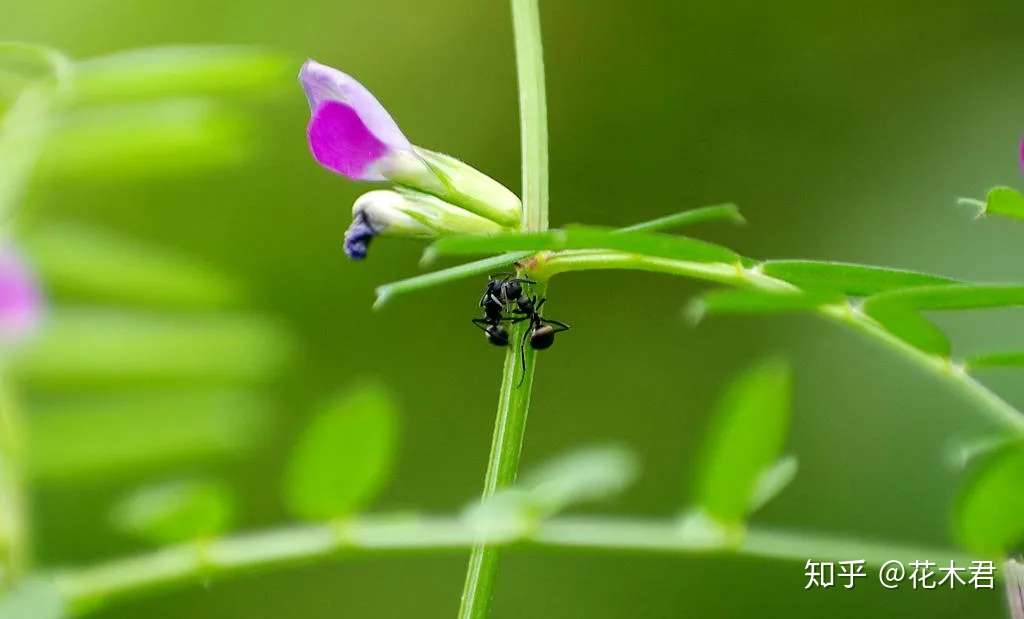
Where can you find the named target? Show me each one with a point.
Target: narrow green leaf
(988, 515)
(746, 435)
(952, 297)
(110, 436)
(846, 278)
(177, 70)
(909, 326)
(579, 237)
(773, 481)
(98, 265)
(85, 346)
(171, 136)
(344, 457)
(1014, 359)
(1005, 201)
(175, 511)
(22, 134)
(727, 212)
(35, 598)
(443, 276)
(584, 475)
(758, 302)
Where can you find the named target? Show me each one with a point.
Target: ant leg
(536, 308)
(522, 357)
(481, 324)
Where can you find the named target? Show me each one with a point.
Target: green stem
(90, 589)
(987, 402)
(14, 531)
(514, 398)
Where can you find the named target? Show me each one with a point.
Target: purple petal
(323, 83)
(1022, 154)
(341, 142)
(20, 299)
(358, 237)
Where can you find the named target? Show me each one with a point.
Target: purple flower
(350, 133)
(1022, 154)
(21, 301)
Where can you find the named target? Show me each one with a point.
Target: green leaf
(952, 297)
(988, 515)
(758, 302)
(1005, 201)
(897, 310)
(845, 278)
(160, 138)
(176, 70)
(35, 598)
(1014, 359)
(773, 481)
(911, 327)
(80, 347)
(745, 438)
(443, 276)
(175, 511)
(584, 475)
(579, 237)
(111, 436)
(727, 212)
(98, 265)
(345, 455)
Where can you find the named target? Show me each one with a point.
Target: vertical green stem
(14, 535)
(514, 398)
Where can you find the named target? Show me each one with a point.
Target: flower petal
(20, 299)
(341, 142)
(323, 83)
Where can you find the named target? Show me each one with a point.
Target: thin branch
(92, 588)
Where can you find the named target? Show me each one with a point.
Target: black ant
(508, 291)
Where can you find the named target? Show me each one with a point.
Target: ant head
(542, 337)
(513, 289)
(497, 335)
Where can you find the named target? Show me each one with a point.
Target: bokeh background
(844, 130)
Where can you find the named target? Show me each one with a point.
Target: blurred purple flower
(21, 301)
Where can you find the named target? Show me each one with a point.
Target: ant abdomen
(542, 337)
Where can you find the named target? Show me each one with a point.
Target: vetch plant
(347, 453)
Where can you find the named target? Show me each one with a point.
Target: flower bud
(408, 213)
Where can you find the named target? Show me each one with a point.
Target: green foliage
(1013, 359)
(988, 515)
(110, 436)
(345, 455)
(1004, 201)
(175, 511)
(898, 310)
(79, 347)
(585, 237)
(846, 278)
(36, 598)
(588, 474)
(93, 263)
(583, 475)
(150, 139)
(773, 481)
(746, 435)
(169, 71)
(443, 276)
(724, 212)
(758, 302)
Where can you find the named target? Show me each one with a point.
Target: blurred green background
(844, 130)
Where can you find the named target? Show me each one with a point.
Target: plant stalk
(516, 387)
(93, 588)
